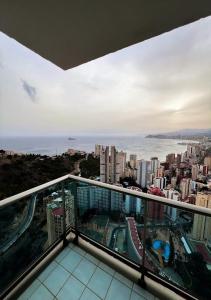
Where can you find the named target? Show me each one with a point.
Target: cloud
(30, 90)
(160, 84)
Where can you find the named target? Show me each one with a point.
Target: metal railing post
(142, 267)
(75, 240)
(65, 242)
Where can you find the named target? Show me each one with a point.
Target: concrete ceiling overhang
(69, 33)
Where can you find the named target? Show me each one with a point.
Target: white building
(195, 171)
(122, 158)
(185, 187)
(170, 211)
(144, 177)
(98, 149)
(114, 165)
(133, 161)
(104, 165)
(160, 182)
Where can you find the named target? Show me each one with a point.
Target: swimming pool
(166, 249)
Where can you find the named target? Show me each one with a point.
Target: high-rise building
(160, 182)
(170, 158)
(185, 187)
(155, 210)
(203, 169)
(133, 204)
(111, 166)
(160, 171)
(122, 157)
(55, 216)
(98, 149)
(173, 182)
(114, 166)
(144, 177)
(155, 164)
(117, 203)
(207, 162)
(179, 158)
(201, 224)
(93, 197)
(133, 161)
(193, 150)
(104, 165)
(194, 172)
(170, 211)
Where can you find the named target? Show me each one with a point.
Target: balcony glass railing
(166, 240)
(30, 225)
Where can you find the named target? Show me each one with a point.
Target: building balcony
(75, 238)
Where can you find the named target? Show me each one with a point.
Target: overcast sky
(162, 84)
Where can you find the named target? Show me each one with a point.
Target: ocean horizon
(144, 148)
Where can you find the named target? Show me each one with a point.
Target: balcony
(75, 238)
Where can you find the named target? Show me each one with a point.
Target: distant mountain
(183, 134)
(192, 132)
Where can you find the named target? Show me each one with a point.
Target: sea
(144, 148)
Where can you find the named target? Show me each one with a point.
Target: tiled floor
(75, 274)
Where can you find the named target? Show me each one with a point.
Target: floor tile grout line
(80, 280)
(124, 282)
(131, 290)
(91, 260)
(109, 287)
(89, 281)
(45, 269)
(105, 270)
(64, 256)
(44, 287)
(53, 270)
(96, 267)
(71, 274)
(41, 283)
(84, 256)
(86, 287)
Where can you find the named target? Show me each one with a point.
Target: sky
(160, 85)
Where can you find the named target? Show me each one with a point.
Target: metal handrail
(31, 191)
(161, 200)
(165, 201)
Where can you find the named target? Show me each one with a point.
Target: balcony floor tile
(118, 291)
(72, 290)
(47, 271)
(89, 295)
(41, 293)
(84, 270)
(30, 290)
(75, 274)
(71, 261)
(56, 279)
(100, 282)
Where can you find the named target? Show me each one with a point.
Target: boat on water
(71, 139)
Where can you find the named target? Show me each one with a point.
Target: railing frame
(146, 197)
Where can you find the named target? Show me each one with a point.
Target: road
(22, 226)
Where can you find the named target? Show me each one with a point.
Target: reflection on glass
(29, 226)
(104, 216)
(178, 244)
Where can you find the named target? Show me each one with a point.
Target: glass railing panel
(107, 217)
(178, 246)
(29, 227)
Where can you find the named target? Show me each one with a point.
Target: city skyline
(162, 84)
